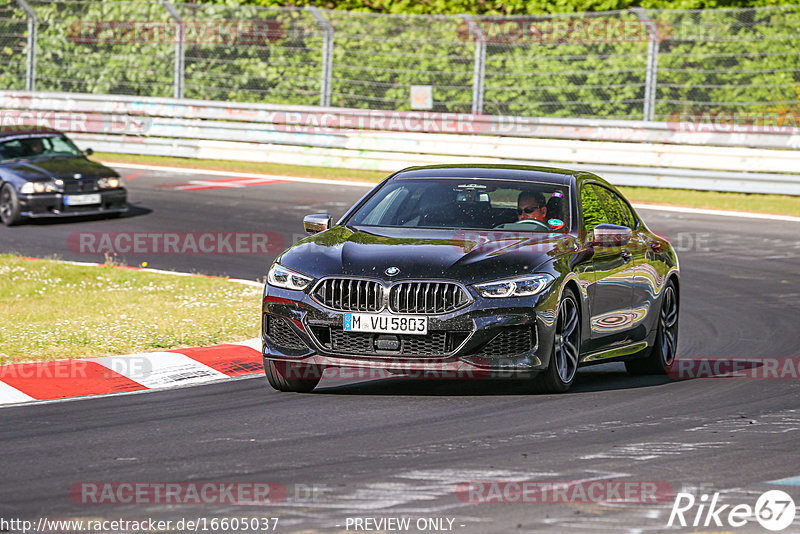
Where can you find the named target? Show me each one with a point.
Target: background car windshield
(467, 203)
(40, 146)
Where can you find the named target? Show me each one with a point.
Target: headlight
(38, 187)
(280, 276)
(523, 286)
(108, 183)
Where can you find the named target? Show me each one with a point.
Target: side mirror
(88, 151)
(610, 235)
(319, 222)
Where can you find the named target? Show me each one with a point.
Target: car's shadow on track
(587, 380)
(133, 211)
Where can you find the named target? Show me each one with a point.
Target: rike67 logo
(774, 510)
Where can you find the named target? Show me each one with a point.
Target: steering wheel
(535, 221)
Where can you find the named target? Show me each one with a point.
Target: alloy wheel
(5, 203)
(668, 321)
(567, 340)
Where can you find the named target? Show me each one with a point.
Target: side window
(612, 207)
(593, 212)
(11, 149)
(383, 211)
(626, 209)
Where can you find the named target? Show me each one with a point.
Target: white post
(651, 75)
(327, 56)
(479, 70)
(30, 65)
(180, 39)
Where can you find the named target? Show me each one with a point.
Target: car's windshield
(37, 146)
(467, 203)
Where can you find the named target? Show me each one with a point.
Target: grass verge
(55, 311)
(773, 204)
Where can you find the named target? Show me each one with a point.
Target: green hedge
(742, 60)
(513, 7)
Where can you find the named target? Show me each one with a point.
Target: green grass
(773, 204)
(54, 311)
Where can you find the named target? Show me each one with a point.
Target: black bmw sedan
(43, 174)
(478, 270)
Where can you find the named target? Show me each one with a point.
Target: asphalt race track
(399, 447)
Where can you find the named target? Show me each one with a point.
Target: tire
(659, 359)
(292, 376)
(563, 365)
(9, 206)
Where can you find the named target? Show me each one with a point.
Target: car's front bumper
(489, 337)
(52, 204)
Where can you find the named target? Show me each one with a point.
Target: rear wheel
(292, 376)
(560, 372)
(661, 355)
(9, 206)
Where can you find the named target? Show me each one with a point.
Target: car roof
(22, 131)
(505, 172)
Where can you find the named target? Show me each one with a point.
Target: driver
(34, 146)
(530, 205)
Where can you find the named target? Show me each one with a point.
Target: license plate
(385, 324)
(81, 200)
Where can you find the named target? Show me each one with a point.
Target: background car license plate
(81, 200)
(385, 324)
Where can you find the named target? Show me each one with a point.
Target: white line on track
(656, 207)
(718, 213)
(210, 172)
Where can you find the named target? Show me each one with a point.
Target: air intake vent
(346, 294)
(510, 342)
(427, 297)
(279, 332)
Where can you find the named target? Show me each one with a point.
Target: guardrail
(681, 154)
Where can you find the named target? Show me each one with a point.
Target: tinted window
(467, 203)
(611, 205)
(592, 208)
(626, 209)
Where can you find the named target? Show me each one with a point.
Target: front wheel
(9, 206)
(292, 376)
(560, 372)
(661, 356)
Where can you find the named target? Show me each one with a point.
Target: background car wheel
(560, 372)
(660, 357)
(9, 206)
(292, 376)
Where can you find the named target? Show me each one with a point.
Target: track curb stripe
(230, 360)
(11, 395)
(65, 378)
(31, 382)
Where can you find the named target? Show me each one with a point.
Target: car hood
(64, 168)
(468, 256)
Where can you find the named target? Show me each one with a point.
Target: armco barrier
(680, 154)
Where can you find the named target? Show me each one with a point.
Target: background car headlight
(108, 183)
(523, 286)
(280, 276)
(38, 187)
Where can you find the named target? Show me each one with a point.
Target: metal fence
(634, 64)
